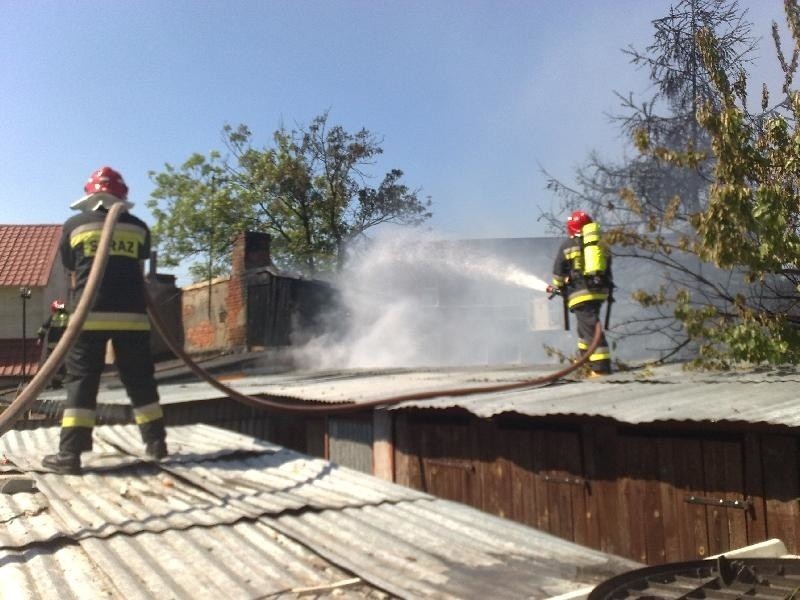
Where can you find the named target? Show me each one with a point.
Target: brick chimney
(257, 250)
(251, 250)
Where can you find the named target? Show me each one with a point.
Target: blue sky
(471, 97)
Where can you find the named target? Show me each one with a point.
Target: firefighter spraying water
(582, 277)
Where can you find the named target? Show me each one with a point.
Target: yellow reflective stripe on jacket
(148, 413)
(127, 239)
(116, 321)
(572, 252)
(78, 417)
(601, 353)
(558, 280)
(585, 296)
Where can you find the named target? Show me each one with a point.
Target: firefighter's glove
(553, 291)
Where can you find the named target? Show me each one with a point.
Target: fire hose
(278, 403)
(28, 396)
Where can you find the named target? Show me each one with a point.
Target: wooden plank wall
(654, 496)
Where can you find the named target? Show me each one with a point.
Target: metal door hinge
(743, 504)
(570, 480)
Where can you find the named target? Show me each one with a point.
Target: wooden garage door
(679, 498)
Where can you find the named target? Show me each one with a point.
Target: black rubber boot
(156, 450)
(65, 463)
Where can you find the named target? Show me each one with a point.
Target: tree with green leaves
(309, 190)
(752, 219)
(196, 215)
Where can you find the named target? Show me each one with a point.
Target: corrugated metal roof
(351, 385)
(662, 394)
(665, 394)
(679, 398)
(227, 516)
(27, 253)
(240, 560)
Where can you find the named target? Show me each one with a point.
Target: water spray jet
(520, 278)
(453, 259)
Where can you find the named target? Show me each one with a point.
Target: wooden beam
(382, 445)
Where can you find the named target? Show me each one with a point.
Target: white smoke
(393, 310)
(415, 299)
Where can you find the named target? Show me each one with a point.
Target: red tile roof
(11, 357)
(27, 253)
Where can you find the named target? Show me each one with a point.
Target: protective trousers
(587, 315)
(85, 363)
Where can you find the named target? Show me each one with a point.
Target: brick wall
(236, 298)
(205, 330)
(215, 314)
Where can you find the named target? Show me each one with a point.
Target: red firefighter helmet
(56, 305)
(107, 180)
(104, 188)
(576, 221)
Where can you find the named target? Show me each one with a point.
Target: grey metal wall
(350, 443)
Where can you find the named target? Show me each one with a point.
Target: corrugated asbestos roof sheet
(27, 253)
(663, 394)
(227, 516)
(668, 394)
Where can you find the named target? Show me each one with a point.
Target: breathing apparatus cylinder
(594, 258)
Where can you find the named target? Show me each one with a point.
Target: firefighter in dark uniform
(118, 314)
(50, 334)
(582, 275)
